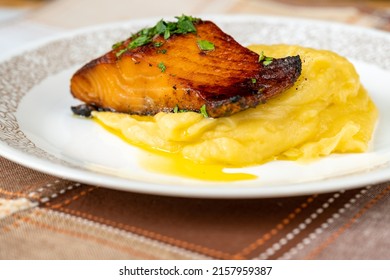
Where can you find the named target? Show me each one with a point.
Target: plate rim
(96, 27)
(284, 190)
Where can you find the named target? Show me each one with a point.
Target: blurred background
(22, 21)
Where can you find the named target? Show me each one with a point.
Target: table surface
(46, 217)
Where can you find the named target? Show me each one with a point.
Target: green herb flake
(158, 44)
(261, 56)
(162, 67)
(117, 45)
(167, 34)
(183, 25)
(203, 111)
(120, 52)
(163, 51)
(139, 41)
(160, 27)
(177, 110)
(253, 81)
(267, 61)
(205, 45)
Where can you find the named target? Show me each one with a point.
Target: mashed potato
(327, 111)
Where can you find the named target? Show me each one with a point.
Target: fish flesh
(203, 69)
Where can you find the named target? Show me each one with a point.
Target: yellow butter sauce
(326, 111)
(175, 164)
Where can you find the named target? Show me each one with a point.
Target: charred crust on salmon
(190, 64)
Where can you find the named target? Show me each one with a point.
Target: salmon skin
(203, 69)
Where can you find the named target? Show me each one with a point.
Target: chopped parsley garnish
(203, 111)
(183, 25)
(266, 60)
(177, 110)
(163, 51)
(120, 52)
(117, 45)
(160, 27)
(158, 44)
(205, 45)
(253, 81)
(261, 56)
(139, 41)
(167, 34)
(162, 67)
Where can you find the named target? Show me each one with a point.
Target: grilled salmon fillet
(202, 68)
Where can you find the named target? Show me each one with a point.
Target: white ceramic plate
(38, 129)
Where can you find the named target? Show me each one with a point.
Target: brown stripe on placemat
(326, 207)
(47, 234)
(341, 230)
(222, 229)
(17, 181)
(365, 231)
(276, 231)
